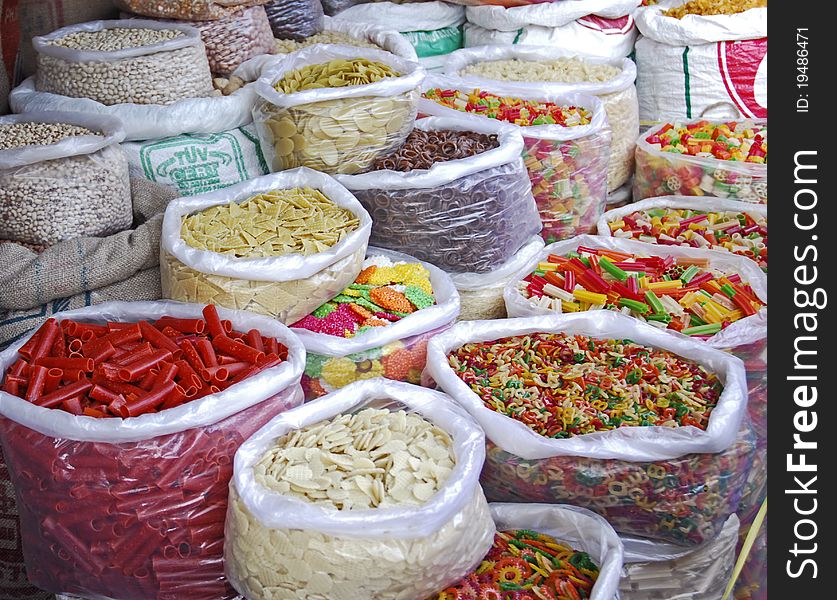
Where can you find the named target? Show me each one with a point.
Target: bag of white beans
(62, 175)
(370, 492)
(273, 266)
(522, 69)
(132, 60)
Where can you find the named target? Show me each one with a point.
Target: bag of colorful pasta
(566, 145)
(688, 221)
(583, 551)
(456, 194)
(229, 247)
(702, 157)
(379, 325)
(481, 294)
(369, 492)
(523, 69)
(604, 412)
(122, 485)
(335, 108)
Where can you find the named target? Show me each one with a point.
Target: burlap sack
(84, 271)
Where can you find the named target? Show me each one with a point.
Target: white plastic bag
(151, 489)
(396, 351)
(567, 165)
(76, 187)
(701, 203)
(469, 214)
(618, 95)
(718, 80)
(692, 30)
(383, 37)
(158, 73)
(403, 552)
(676, 484)
(433, 28)
(548, 14)
(626, 443)
(298, 283)
(598, 36)
(656, 570)
(661, 173)
(356, 124)
(481, 294)
(579, 528)
(749, 330)
(198, 163)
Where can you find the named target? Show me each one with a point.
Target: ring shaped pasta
(286, 286)
(486, 212)
(318, 121)
(281, 546)
(519, 69)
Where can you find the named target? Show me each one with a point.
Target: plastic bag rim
(110, 128)
(468, 442)
(731, 405)
(285, 267)
(41, 43)
(199, 413)
(444, 312)
(441, 173)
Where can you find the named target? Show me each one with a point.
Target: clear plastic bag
(707, 204)
(669, 173)
(546, 14)
(76, 187)
(470, 214)
(236, 37)
(295, 19)
(481, 294)
(749, 333)
(159, 73)
(577, 527)
(286, 287)
(134, 508)
(397, 351)
(659, 571)
(692, 30)
(195, 10)
(336, 130)
(675, 484)
(408, 552)
(618, 95)
(567, 165)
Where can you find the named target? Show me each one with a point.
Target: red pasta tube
(64, 393)
(103, 394)
(76, 329)
(12, 386)
(26, 349)
(237, 349)
(83, 364)
(46, 339)
(206, 352)
(36, 383)
(157, 339)
(213, 322)
(148, 402)
(192, 355)
(52, 380)
(20, 368)
(59, 347)
(254, 339)
(187, 374)
(138, 367)
(215, 374)
(182, 325)
(73, 406)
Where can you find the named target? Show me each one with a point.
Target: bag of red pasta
(119, 434)
(605, 412)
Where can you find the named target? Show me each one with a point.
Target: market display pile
(324, 398)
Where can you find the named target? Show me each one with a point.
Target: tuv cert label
(197, 163)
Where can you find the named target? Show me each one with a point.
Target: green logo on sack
(198, 163)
